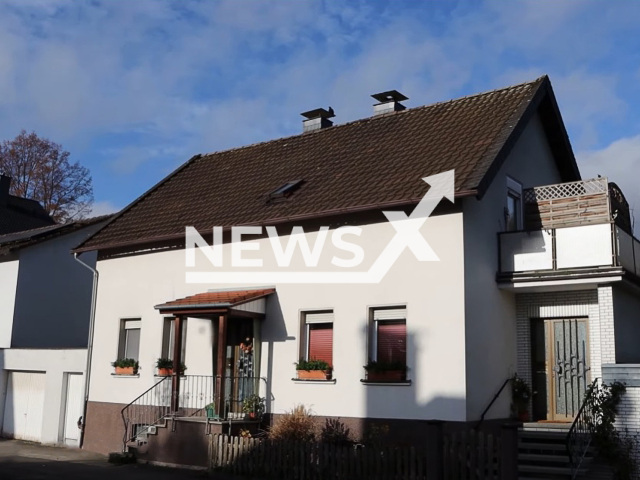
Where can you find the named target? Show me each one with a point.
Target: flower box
(386, 376)
(165, 372)
(125, 371)
(314, 374)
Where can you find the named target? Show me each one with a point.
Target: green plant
(297, 424)
(125, 362)
(374, 366)
(164, 363)
(613, 446)
(253, 404)
(336, 432)
(520, 394)
(312, 365)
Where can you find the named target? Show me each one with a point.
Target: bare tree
(41, 170)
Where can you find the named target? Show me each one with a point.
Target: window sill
(405, 383)
(169, 376)
(116, 375)
(298, 380)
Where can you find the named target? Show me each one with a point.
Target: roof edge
(273, 221)
(543, 90)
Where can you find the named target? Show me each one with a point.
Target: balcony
(577, 230)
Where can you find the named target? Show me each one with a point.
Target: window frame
(167, 338)
(372, 329)
(514, 190)
(123, 337)
(305, 337)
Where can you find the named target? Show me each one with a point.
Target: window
(285, 190)
(318, 335)
(129, 345)
(168, 334)
(389, 335)
(513, 210)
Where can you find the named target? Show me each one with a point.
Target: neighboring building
(536, 276)
(45, 301)
(18, 213)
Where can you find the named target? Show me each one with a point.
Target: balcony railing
(571, 248)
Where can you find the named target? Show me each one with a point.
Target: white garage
(24, 406)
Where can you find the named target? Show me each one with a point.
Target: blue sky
(134, 88)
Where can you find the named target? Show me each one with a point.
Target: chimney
(388, 102)
(317, 119)
(5, 183)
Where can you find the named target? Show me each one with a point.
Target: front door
(567, 366)
(239, 365)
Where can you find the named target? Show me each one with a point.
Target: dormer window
(285, 190)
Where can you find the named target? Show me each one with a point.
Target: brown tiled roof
(369, 163)
(228, 298)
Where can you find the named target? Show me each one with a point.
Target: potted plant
(520, 396)
(164, 366)
(253, 406)
(386, 371)
(313, 370)
(125, 366)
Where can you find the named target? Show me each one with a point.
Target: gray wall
(626, 315)
(490, 313)
(53, 298)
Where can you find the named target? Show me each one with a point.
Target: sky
(133, 89)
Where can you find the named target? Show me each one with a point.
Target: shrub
(296, 425)
(253, 404)
(164, 363)
(125, 362)
(336, 432)
(312, 365)
(385, 366)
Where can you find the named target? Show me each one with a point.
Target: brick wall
(628, 419)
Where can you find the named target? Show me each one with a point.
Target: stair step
(535, 457)
(539, 434)
(543, 469)
(542, 446)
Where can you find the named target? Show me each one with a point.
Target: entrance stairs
(542, 452)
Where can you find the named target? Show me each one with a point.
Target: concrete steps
(542, 453)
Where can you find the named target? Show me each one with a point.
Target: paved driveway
(26, 461)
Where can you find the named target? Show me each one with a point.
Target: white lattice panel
(566, 190)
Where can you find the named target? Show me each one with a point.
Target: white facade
(54, 365)
(433, 293)
(8, 285)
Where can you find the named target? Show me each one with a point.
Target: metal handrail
(197, 399)
(581, 432)
(493, 400)
(144, 410)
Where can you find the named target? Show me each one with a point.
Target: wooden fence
(458, 456)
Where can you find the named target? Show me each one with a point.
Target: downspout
(92, 318)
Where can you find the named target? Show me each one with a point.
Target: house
(536, 276)
(17, 213)
(45, 298)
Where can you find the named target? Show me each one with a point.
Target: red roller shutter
(392, 341)
(321, 342)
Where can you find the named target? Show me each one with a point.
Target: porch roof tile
(222, 299)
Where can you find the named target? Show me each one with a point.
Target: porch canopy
(244, 303)
(217, 306)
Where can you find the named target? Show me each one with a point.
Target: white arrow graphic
(407, 235)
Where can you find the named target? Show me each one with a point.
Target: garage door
(23, 407)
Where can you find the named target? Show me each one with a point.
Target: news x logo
(407, 234)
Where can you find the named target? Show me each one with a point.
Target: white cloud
(620, 163)
(171, 79)
(103, 208)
